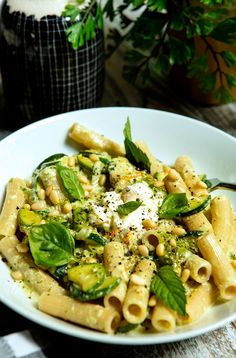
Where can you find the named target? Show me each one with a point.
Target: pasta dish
(113, 239)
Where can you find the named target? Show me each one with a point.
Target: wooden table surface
(159, 95)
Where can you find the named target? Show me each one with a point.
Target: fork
(216, 183)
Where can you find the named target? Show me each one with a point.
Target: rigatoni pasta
(115, 240)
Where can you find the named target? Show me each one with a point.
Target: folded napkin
(20, 345)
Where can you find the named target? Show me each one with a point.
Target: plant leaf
(173, 204)
(231, 80)
(159, 5)
(198, 66)
(133, 153)
(75, 35)
(223, 95)
(108, 10)
(180, 51)
(229, 58)
(55, 158)
(207, 82)
(51, 244)
(71, 11)
(127, 129)
(225, 31)
(167, 286)
(129, 207)
(70, 182)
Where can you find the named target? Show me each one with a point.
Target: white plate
(168, 135)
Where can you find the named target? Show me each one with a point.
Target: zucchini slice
(106, 287)
(96, 239)
(87, 276)
(195, 205)
(27, 217)
(85, 162)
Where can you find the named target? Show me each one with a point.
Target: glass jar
(42, 75)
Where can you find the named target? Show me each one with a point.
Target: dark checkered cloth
(42, 74)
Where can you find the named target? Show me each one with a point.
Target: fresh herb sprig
(164, 36)
(133, 153)
(168, 287)
(89, 14)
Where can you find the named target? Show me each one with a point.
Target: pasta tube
(198, 222)
(35, 278)
(223, 273)
(136, 299)
(93, 140)
(114, 264)
(222, 223)
(163, 318)
(184, 166)
(14, 200)
(198, 302)
(87, 314)
(175, 184)
(200, 269)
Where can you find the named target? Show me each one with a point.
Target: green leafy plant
(164, 34)
(89, 16)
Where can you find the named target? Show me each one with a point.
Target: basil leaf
(133, 153)
(168, 287)
(173, 204)
(127, 130)
(70, 182)
(128, 207)
(49, 161)
(51, 244)
(127, 327)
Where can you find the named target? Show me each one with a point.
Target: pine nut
(173, 242)
(38, 205)
(87, 187)
(160, 249)
(49, 190)
(42, 222)
(22, 248)
(152, 302)
(148, 224)
(53, 212)
(16, 275)
(137, 280)
(102, 180)
(71, 161)
(41, 194)
(94, 157)
(83, 179)
(54, 198)
(86, 194)
(67, 208)
(179, 231)
(143, 250)
(27, 206)
(185, 275)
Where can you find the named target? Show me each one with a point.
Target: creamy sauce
(107, 216)
(40, 8)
